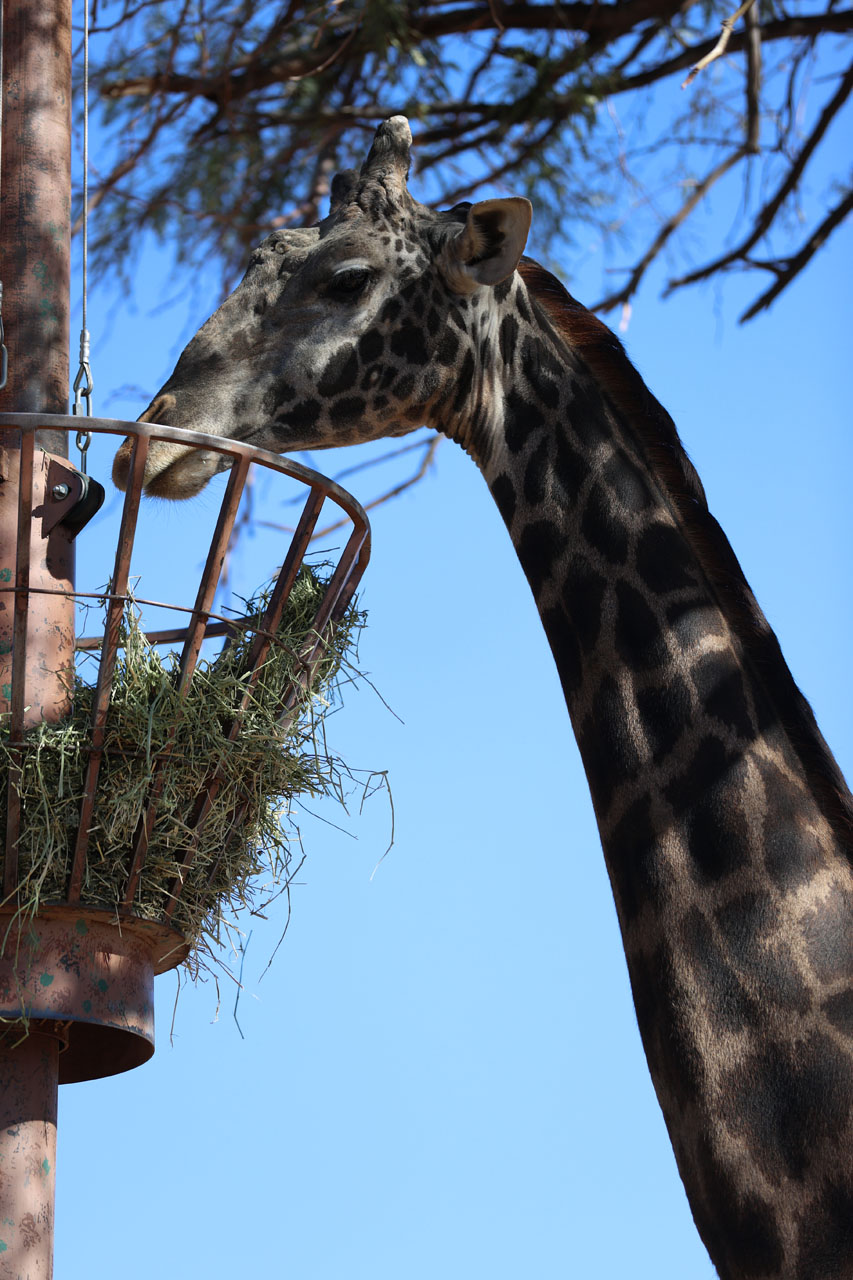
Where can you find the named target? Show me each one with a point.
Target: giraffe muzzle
(172, 470)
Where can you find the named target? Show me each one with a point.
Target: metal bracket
(70, 498)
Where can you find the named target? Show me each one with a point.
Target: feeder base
(91, 975)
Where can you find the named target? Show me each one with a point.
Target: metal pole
(35, 238)
(35, 208)
(35, 218)
(28, 1097)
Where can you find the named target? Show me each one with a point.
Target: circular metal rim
(198, 439)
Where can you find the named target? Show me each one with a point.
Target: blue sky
(441, 1074)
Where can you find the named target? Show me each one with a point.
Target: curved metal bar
(175, 435)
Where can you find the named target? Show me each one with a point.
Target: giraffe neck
(722, 816)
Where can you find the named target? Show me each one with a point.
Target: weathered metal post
(28, 1101)
(35, 201)
(35, 207)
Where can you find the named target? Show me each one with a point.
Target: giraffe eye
(349, 282)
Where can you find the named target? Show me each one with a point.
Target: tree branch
(599, 23)
(786, 269)
(701, 189)
(807, 26)
(720, 47)
(768, 213)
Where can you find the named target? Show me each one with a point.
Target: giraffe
(726, 826)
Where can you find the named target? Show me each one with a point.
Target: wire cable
(83, 383)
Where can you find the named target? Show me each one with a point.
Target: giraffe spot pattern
(538, 548)
(570, 468)
(587, 415)
(666, 713)
(659, 1000)
(404, 386)
(663, 559)
(828, 941)
(408, 343)
(719, 683)
(583, 596)
(637, 633)
(542, 374)
(464, 381)
(346, 409)
(745, 925)
(826, 1240)
(521, 421)
(503, 492)
(792, 852)
(769, 1101)
(371, 345)
(706, 799)
(634, 850)
(508, 338)
(536, 474)
(340, 372)
(606, 744)
(564, 644)
(280, 393)
(691, 620)
(603, 529)
(302, 417)
(728, 1004)
(839, 1011)
(375, 375)
(447, 349)
(625, 481)
(739, 1231)
(457, 318)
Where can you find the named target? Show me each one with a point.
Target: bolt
(60, 491)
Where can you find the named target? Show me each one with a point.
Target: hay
(262, 770)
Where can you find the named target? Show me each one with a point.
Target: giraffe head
(349, 331)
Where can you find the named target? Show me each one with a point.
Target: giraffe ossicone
(725, 823)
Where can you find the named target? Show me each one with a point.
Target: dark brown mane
(656, 435)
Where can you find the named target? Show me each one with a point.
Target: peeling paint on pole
(35, 208)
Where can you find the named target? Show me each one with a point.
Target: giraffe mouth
(172, 470)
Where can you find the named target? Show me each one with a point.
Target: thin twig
(721, 45)
(244, 946)
(701, 189)
(753, 81)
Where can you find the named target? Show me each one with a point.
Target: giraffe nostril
(158, 409)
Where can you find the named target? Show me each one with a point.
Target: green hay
(264, 769)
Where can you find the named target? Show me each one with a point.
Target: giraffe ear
(488, 247)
